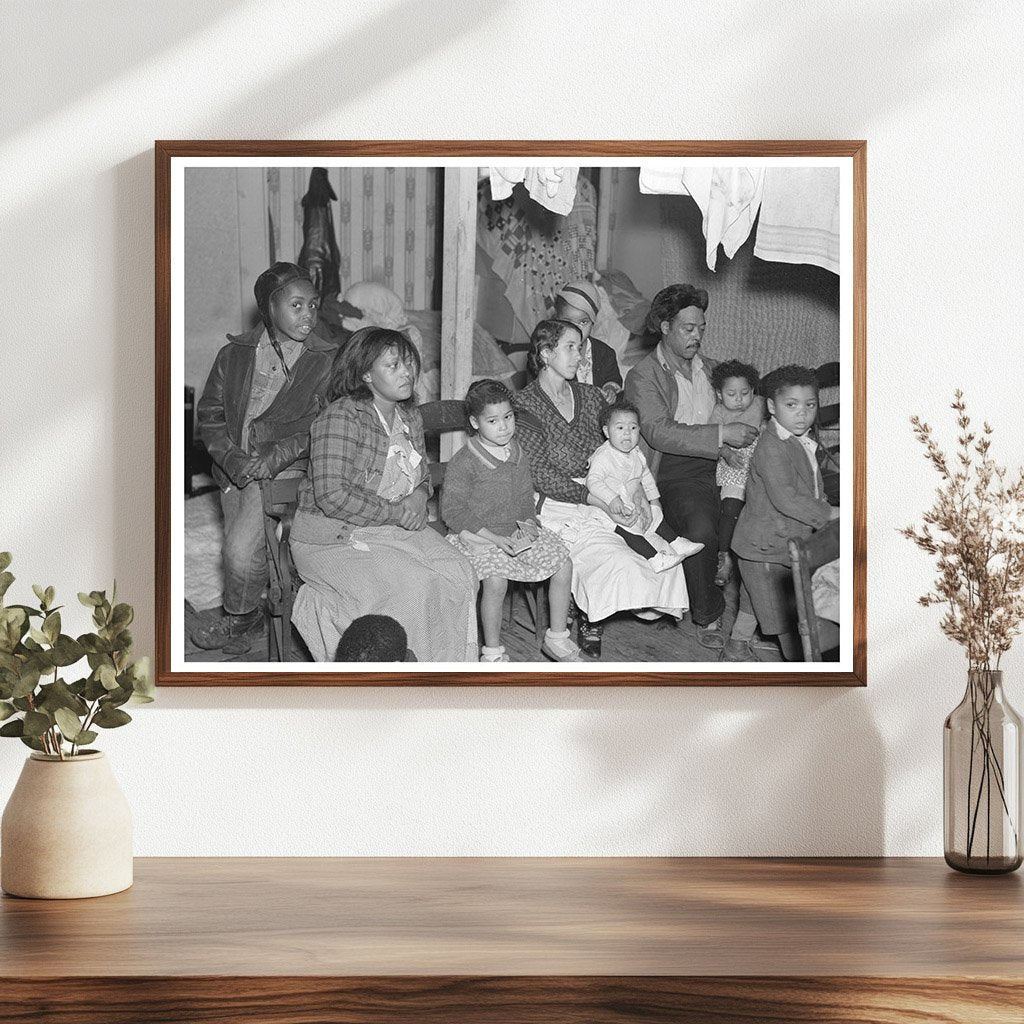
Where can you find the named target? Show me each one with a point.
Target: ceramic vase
(981, 779)
(66, 830)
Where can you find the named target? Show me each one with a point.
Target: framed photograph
(527, 413)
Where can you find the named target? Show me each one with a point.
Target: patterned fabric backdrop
(386, 220)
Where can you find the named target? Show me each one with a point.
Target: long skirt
(608, 577)
(417, 578)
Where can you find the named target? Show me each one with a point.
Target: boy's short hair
(619, 405)
(734, 368)
(791, 376)
(373, 638)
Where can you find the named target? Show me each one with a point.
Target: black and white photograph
(586, 419)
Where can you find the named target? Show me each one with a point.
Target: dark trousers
(690, 501)
(731, 509)
(643, 547)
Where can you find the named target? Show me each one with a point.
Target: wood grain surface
(524, 939)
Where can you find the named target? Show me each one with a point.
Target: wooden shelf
(525, 939)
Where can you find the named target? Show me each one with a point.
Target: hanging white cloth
(553, 187)
(728, 197)
(800, 217)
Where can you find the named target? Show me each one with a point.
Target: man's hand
(738, 435)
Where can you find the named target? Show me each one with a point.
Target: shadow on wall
(816, 788)
(89, 29)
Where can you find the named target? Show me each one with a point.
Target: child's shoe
(664, 560)
(588, 635)
(559, 647)
(685, 548)
(724, 570)
(493, 654)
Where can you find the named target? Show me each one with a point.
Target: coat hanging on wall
(319, 254)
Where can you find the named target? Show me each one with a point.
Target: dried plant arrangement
(975, 531)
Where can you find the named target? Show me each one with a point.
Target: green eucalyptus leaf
(50, 595)
(27, 681)
(36, 723)
(107, 676)
(89, 600)
(122, 616)
(15, 728)
(142, 677)
(86, 736)
(6, 579)
(39, 636)
(51, 627)
(111, 718)
(115, 698)
(31, 741)
(94, 689)
(5, 559)
(6, 710)
(40, 593)
(94, 644)
(66, 651)
(69, 724)
(23, 703)
(58, 695)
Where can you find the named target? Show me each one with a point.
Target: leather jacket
(280, 433)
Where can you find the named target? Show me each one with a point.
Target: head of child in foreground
(377, 363)
(735, 384)
(373, 638)
(287, 301)
(489, 410)
(620, 423)
(792, 395)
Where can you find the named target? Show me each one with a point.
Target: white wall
(936, 87)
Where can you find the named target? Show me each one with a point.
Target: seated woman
(559, 429)
(359, 540)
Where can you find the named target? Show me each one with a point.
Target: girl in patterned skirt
(487, 503)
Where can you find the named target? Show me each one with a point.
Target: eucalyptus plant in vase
(975, 530)
(66, 830)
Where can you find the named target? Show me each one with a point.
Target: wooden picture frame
(183, 255)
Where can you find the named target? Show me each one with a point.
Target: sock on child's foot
(493, 653)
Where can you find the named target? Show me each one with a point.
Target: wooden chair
(826, 432)
(280, 499)
(807, 555)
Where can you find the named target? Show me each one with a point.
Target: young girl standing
(264, 390)
(487, 502)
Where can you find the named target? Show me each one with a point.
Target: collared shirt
(267, 378)
(695, 398)
(810, 447)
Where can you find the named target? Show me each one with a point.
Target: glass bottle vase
(981, 748)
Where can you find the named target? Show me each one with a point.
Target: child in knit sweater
(487, 503)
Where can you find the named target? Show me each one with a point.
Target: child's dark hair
(359, 354)
(483, 393)
(734, 368)
(619, 405)
(546, 336)
(373, 638)
(791, 376)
